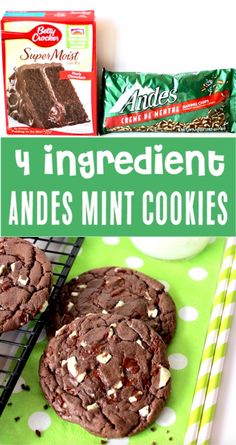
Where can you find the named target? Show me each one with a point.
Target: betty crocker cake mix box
(49, 69)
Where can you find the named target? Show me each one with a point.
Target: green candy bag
(203, 101)
(233, 103)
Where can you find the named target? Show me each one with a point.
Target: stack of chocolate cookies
(25, 282)
(105, 366)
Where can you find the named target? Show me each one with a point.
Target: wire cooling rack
(16, 346)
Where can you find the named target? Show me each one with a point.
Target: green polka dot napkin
(28, 420)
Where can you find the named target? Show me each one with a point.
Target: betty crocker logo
(45, 35)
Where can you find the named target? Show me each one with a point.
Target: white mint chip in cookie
(80, 378)
(83, 344)
(13, 267)
(132, 399)
(104, 358)
(164, 376)
(104, 312)
(144, 411)
(139, 393)
(118, 269)
(71, 366)
(25, 321)
(92, 407)
(2, 268)
(140, 343)
(120, 303)
(111, 391)
(74, 294)
(110, 333)
(147, 296)
(23, 281)
(118, 385)
(70, 306)
(44, 307)
(82, 286)
(73, 334)
(59, 331)
(152, 313)
(71, 363)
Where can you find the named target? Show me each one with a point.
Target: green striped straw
(218, 361)
(210, 346)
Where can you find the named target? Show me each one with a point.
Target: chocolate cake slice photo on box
(38, 97)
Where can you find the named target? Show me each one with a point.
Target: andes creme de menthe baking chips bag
(189, 102)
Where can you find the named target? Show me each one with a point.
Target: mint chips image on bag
(189, 102)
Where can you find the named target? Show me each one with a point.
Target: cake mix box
(49, 69)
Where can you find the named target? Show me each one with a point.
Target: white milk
(170, 248)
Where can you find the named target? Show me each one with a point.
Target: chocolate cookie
(25, 282)
(115, 290)
(109, 374)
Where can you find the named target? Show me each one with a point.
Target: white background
(163, 36)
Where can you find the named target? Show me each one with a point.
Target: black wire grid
(16, 346)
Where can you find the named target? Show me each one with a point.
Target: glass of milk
(170, 248)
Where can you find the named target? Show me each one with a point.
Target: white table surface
(163, 36)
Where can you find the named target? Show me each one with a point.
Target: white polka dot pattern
(122, 441)
(178, 361)
(188, 313)
(135, 262)
(167, 417)
(39, 421)
(198, 273)
(111, 240)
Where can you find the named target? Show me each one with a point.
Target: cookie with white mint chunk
(115, 290)
(25, 282)
(107, 373)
